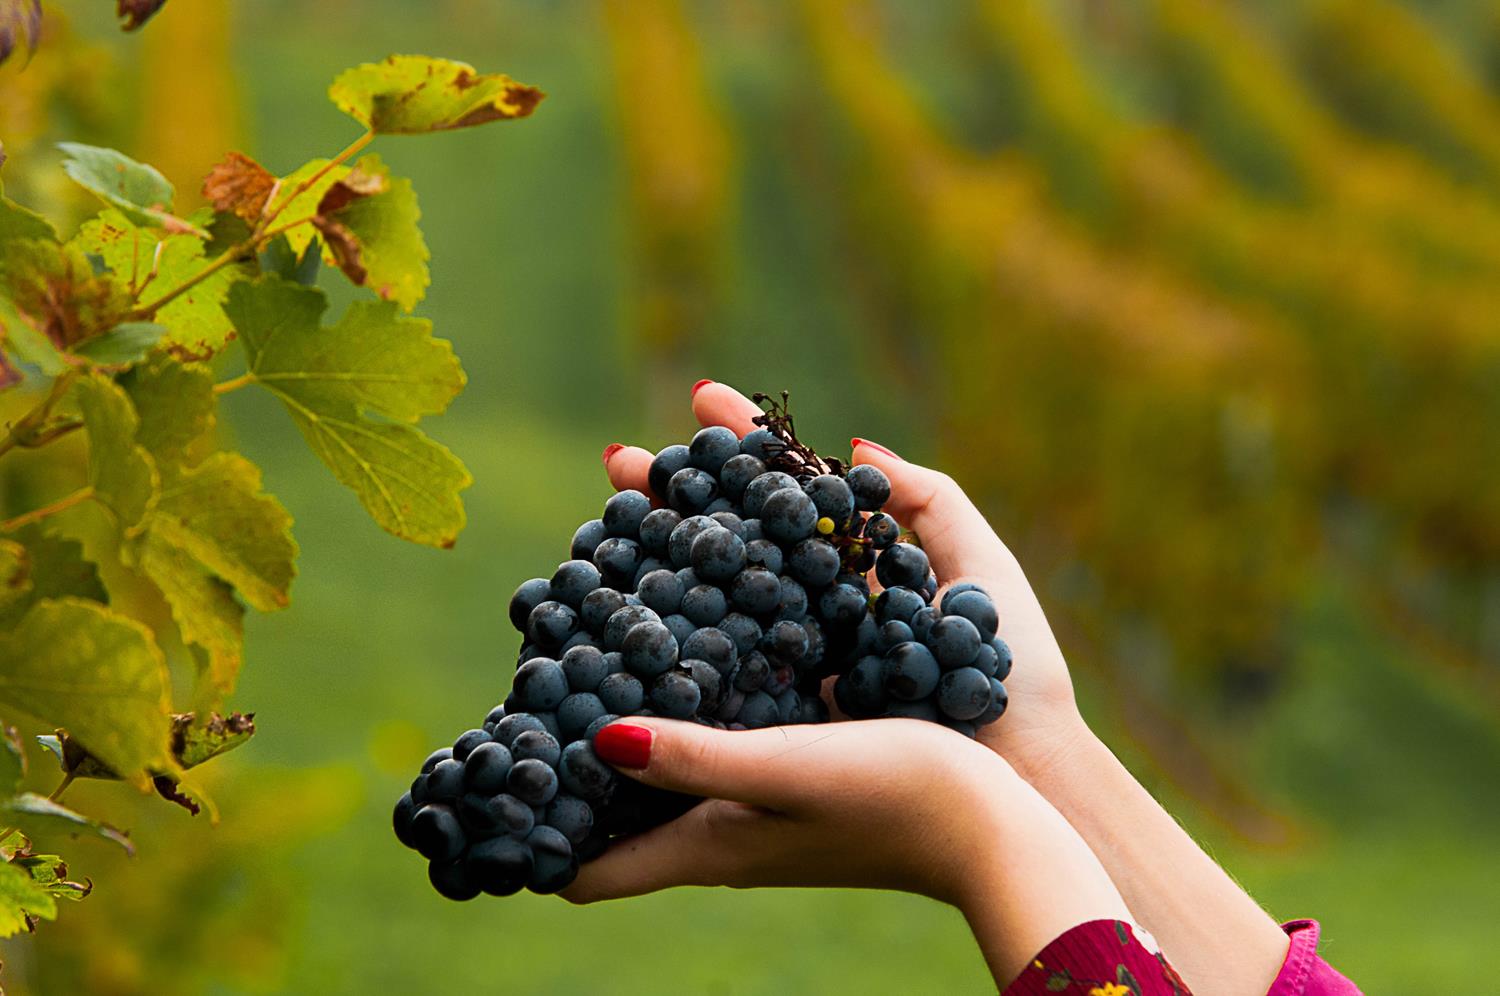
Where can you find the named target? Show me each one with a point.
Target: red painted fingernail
(610, 451)
(699, 386)
(624, 744)
(856, 443)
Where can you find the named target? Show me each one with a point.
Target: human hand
(889, 803)
(1043, 722)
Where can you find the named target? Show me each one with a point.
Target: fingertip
(700, 386)
(628, 467)
(872, 452)
(719, 404)
(610, 451)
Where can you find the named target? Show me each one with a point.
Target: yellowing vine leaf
(55, 568)
(20, 895)
(75, 664)
(15, 575)
(239, 185)
(123, 475)
(17, 222)
(332, 380)
(214, 532)
(150, 263)
(175, 404)
(411, 94)
(55, 290)
(41, 818)
(139, 191)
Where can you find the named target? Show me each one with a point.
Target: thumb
(742, 766)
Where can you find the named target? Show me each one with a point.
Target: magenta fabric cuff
(1304, 973)
(1099, 958)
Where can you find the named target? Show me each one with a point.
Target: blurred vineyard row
(1203, 297)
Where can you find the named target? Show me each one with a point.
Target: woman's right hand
(890, 803)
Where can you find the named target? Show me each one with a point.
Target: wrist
(1051, 751)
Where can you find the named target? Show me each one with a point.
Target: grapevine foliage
(117, 334)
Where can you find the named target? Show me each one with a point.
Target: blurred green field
(1386, 769)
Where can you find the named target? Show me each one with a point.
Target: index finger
(720, 404)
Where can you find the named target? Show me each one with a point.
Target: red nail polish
(699, 386)
(610, 451)
(624, 744)
(856, 443)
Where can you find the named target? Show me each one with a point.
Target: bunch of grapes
(730, 606)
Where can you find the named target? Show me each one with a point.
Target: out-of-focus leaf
(239, 185)
(42, 819)
(56, 568)
(75, 664)
(411, 94)
(15, 576)
(124, 344)
(122, 474)
(12, 761)
(175, 404)
(280, 258)
(21, 896)
(152, 265)
(26, 343)
(139, 191)
(369, 222)
(332, 379)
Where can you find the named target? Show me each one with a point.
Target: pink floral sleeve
(1112, 958)
(1304, 973)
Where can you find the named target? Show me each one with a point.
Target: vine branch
(25, 430)
(36, 515)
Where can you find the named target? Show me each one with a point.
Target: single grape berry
(553, 865)
(660, 591)
(501, 866)
(618, 560)
(574, 818)
(717, 555)
(964, 694)
(675, 694)
(622, 694)
(467, 741)
(528, 596)
(832, 497)
(788, 516)
(446, 781)
(667, 462)
(680, 544)
(712, 447)
(573, 580)
(691, 490)
(598, 606)
(656, 530)
(540, 684)
(486, 767)
(755, 591)
(761, 444)
(451, 879)
(584, 668)
(762, 488)
(551, 623)
(903, 566)
(975, 606)
(582, 773)
(649, 649)
(621, 622)
(737, 473)
(870, 486)
(536, 745)
(954, 642)
(436, 833)
(624, 512)
(576, 712)
(911, 672)
(814, 562)
(532, 781)
(402, 817)
(704, 605)
(881, 530)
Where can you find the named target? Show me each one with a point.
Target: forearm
(1209, 928)
(1032, 878)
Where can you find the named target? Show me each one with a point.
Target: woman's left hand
(891, 803)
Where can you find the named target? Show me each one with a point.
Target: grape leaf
(373, 362)
(123, 475)
(56, 291)
(40, 817)
(15, 576)
(239, 185)
(305, 204)
(193, 742)
(12, 761)
(175, 404)
(27, 343)
(20, 896)
(280, 258)
(56, 568)
(139, 191)
(369, 223)
(20, 20)
(17, 222)
(50, 872)
(213, 532)
(134, 13)
(412, 94)
(122, 345)
(74, 663)
(153, 265)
